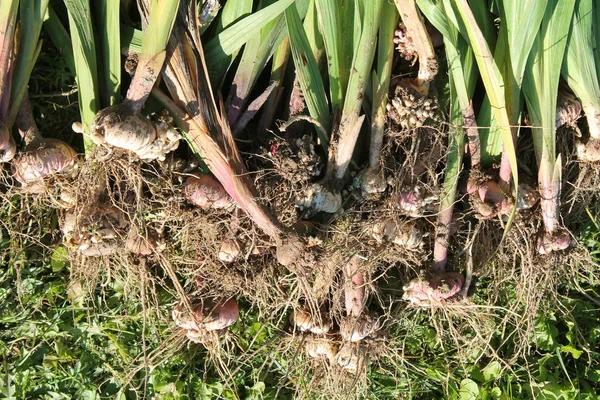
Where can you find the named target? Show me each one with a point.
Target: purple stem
(442, 235)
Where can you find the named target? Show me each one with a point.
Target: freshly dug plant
(41, 157)
(141, 244)
(373, 181)
(231, 249)
(209, 135)
(406, 46)
(540, 89)
(204, 191)
(205, 318)
(347, 92)
(416, 30)
(568, 110)
(409, 108)
(414, 200)
(122, 125)
(321, 348)
(8, 147)
(348, 357)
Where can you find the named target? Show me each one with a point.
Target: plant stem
(354, 287)
(25, 124)
(161, 19)
(470, 125)
(8, 16)
(415, 28)
(381, 82)
(350, 122)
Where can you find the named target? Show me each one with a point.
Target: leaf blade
(307, 70)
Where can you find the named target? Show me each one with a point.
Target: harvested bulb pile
(338, 185)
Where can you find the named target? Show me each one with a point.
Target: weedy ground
(529, 330)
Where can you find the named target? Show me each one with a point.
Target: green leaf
(31, 17)
(219, 49)
(579, 68)
(540, 87)
(496, 393)
(307, 70)
(278, 68)
(256, 55)
(233, 11)
(462, 76)
(594, 375)
(520, 22)
(158, 32)
(331, 22)
(131, 38)
(546, 333)
(362, 59)
(492, 371)
(84, 52)
(313, 34)
(469, 390)
(59, 259)
(572, 350)
(596, 42)
(60, 38)
(110, 41)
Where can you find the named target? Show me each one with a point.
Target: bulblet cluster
(409, 109)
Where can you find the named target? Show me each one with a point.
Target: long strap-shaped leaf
(86, 66)
(359, 73)
(257, 53)
(494, 87)
(331, 22)
(232, 12)
(8, 16)
(308, 72)
(596, 16)
(110, 40)
(519, 26)
(381, 80)
(31, 18)
(156, 37)
(234, 37)
(579, 68)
